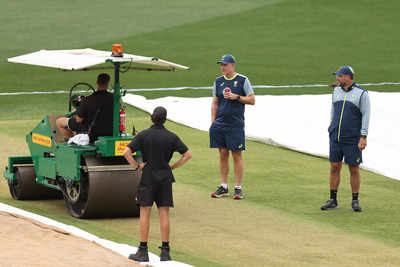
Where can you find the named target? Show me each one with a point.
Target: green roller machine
(94, 180)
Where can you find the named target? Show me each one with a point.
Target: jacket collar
(348, 89)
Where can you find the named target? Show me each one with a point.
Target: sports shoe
(238, 193)
(356, 206)
(141, 255)
(221, 192)
(164, 255)
(330, 205)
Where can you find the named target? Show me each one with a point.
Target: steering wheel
(75, 100)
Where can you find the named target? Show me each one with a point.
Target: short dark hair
(103, 79)
(159, 116)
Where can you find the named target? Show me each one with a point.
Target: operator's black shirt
(157, 146)
(103, 102)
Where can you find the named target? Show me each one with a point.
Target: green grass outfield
(278, 224)
(276, 42)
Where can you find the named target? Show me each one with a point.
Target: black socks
(333, 194)
(164, 244)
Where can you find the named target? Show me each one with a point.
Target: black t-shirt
(103, 103)
(157, 145)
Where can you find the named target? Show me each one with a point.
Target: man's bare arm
(249, 100)
(131, 160)
(214, 108)
(185, 157)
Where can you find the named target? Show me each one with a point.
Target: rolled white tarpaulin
(298, 122)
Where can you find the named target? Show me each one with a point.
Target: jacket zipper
(341, 116)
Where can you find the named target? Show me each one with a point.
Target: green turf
(96, 24)
(293, 182)
(55, 24)
(275, 42)
(290, 183)
(278, 42)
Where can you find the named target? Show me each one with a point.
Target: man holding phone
(231, 92)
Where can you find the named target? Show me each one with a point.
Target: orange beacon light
(117, 50)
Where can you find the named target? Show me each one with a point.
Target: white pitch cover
(298, 122)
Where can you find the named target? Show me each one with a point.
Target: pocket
(350, 132)
(212, 126)
(331, 129)
(215, 127)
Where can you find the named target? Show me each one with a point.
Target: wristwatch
(238, 98)
(364, 136)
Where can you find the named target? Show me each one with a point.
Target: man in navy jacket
(347, 133)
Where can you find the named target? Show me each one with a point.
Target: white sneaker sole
(219, 196)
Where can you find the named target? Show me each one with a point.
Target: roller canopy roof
(78, 59)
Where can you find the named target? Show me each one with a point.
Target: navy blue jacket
(349, 115)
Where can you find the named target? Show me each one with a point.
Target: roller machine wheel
(107, 188)
(24, 187)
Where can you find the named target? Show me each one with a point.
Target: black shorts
(161, 194)
(74, 126)
(351, 153)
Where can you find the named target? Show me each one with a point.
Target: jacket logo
(222, 84)
(235, 83)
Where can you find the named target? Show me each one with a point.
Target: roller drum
(24, 187)
(107, 189)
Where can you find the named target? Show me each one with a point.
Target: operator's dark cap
(345, 70)
(225, 59)
(159, 115)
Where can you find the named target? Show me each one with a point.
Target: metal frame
(117, 87)
(53, 165)
(124, 68)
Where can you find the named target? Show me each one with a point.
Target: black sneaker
(356, 206)
(141, 255)
(164, 255)
(221, 192)
(238, 193)
(330, 205)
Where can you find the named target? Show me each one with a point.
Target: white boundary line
(122, 249)
(196, 88)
